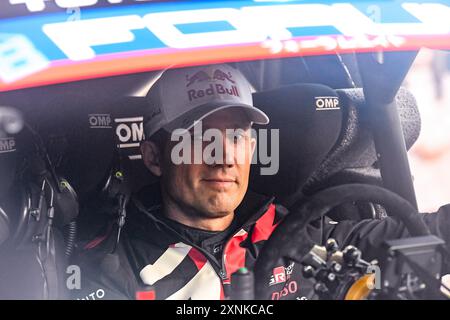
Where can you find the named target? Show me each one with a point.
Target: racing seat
(324, 148)
(98, 142)
(79, 135)
(80, 148)
(353, 158)
(307, 134)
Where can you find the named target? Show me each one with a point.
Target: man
(187, 235)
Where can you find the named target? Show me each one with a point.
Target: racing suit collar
(252, 208)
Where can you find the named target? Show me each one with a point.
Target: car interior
(77, 158)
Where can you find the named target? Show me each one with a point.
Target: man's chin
(215, 214)
(218, 209)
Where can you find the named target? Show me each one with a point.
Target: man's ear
(152, 157)
(253, 145)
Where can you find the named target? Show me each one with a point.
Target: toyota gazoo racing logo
(278, 275)
(225, 87)
(281, 274)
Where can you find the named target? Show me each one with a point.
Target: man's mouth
(219, 183)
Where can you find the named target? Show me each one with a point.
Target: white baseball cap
(181, 97)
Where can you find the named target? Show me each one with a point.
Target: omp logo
(99, 121)
(7, 145)
(130, 132)
(327, 103)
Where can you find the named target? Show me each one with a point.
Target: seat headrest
(13, 150)
(92, 136)
(82, 132)
(355, 147)
(309, 118)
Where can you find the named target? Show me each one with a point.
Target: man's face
(212, 190)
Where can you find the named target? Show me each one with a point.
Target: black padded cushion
(92, 135)
(81, 130)
(353, 156)
(307, 134)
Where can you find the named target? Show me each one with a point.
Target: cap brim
(188, 120)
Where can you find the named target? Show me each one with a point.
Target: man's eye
(237, 137)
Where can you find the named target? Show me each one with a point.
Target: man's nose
(229, 151)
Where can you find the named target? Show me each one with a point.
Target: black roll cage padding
(293, 227)
(382, 74)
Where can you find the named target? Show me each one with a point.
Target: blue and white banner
(84, 41)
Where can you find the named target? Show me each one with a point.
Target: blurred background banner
(48, 42)
(429, 80)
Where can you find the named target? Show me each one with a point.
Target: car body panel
(87, 43)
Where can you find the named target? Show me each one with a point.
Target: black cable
(71, 230)
(122, 213)
(42, 152)
(46, 237)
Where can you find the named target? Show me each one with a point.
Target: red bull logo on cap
(202, 76)
(216, 89)
(222, 76)
(199, 76)
(213, 88)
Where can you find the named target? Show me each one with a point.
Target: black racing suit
(181, 262)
